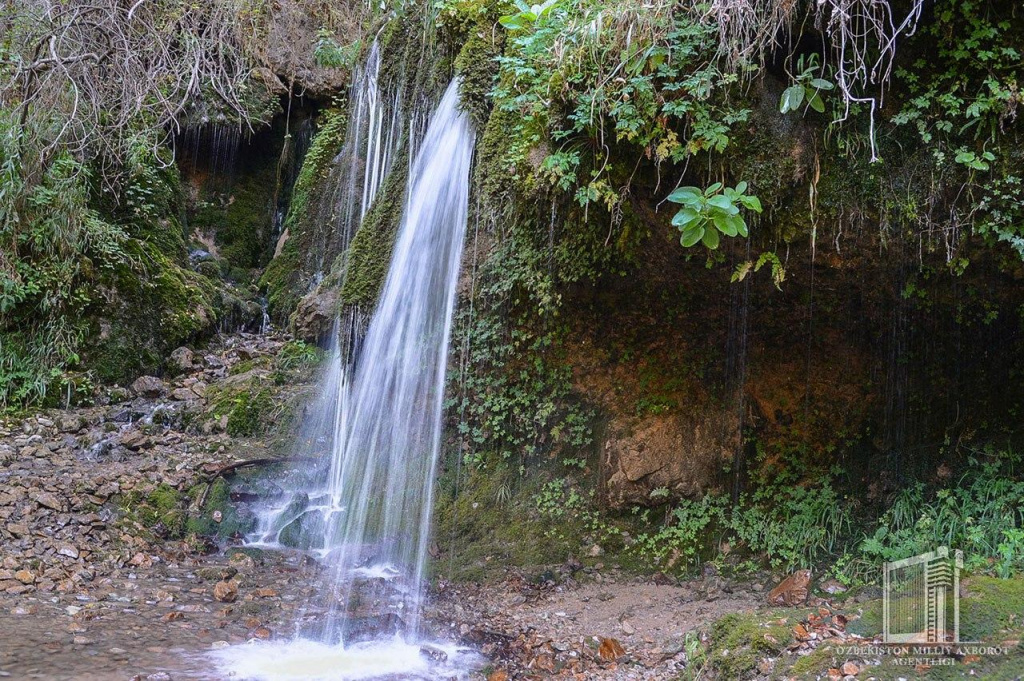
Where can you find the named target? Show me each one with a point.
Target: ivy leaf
(725, 224)
(821, 84)
(513, 22)
(724, 203)
(815, 103)
(733, 225)
(693, 234)
(685, 195)
(684, 217)
(741, 187)
(792, 97)
(711, 238)
(712, 189)
(751, 202)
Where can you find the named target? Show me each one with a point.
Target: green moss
(152, 309)
(740, 640)
(477, 68)
(870, 621)
(369, 254)
(990, 606)
(492, 523)
(283, 278)
(218, 498)
(159, 512)
(248, 416)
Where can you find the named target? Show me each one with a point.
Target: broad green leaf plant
(527, 15)
(709, 212)
(807, 88)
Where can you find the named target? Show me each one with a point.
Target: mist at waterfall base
(381, 420)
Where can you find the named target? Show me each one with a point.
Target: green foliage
(297, 353)
(328, 53)
(643, 75)
(706, 213)
(782, 525)
(808, 86)
(962, 96)
(57, 247)
(527, 16)
(981, 513)
(778, 271)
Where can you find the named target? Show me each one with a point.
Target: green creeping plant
(707, 212)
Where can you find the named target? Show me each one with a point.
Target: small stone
(47, 499)
(262, 633)
(218, 516)
(832, 586)
(25, 576)
(181, 360)
(226, 591)
(218, 645)
(68, 551)
(81, 641)
(627, 628)
(149, 386)
(183, 394)
(159, 676)
(433, 653)
(595, 551)
(117, 651)
(610, 650)
(850, 669)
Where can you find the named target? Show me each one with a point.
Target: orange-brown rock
(225, 592)
(793, 589)
(610, 650)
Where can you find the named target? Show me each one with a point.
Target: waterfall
(368, 513)
(381, 474)
(372, 140)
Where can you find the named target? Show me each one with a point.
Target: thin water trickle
(379, 425)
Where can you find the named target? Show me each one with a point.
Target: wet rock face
(316, 313)
(681, 454)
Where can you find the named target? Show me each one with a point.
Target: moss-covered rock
(368, 258)
(233, 521)
(287, 276)
(738, 643)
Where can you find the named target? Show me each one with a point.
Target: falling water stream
(368, 513)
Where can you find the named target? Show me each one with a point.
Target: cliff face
(690, 269)
(855, 326)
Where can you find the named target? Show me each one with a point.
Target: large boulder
(181, 360)
(314, 317)
(683, 454)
